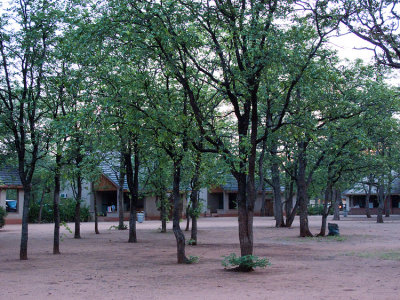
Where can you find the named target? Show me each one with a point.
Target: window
(232, 201)
(395, 201)
(220, 201)
(12, 200)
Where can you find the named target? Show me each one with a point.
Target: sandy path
(363, 264)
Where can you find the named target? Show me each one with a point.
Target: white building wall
(3, 194)
(20, 198)
(203, 199)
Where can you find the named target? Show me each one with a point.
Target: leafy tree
(25, 50)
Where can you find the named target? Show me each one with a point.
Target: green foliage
(190, 242)
(67, 228)
(317, 210)
(247, 261)
(384, 255)
(197, 211)
(193, 259)
(3, 214)
(67, 212)
(116, 227)
(65, 225)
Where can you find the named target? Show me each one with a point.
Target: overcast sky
(348, 46)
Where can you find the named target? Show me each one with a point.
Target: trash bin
(333, 229)
(140, 217)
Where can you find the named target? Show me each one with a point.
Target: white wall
(20, 198)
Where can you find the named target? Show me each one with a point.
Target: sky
(348, 47)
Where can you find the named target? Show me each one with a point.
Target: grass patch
(383, 255)
(391, 255)
(336, 238)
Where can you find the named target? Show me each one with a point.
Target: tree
(229, 47)
(377, 22)
(25, 51)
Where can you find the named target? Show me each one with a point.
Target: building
(105, 193)
(11, 194)
(357, 195)
(221, 200)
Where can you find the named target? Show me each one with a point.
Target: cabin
(105, 193)
(357, 195)
(11, 194)
(221, 200)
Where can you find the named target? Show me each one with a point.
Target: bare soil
(364, 263)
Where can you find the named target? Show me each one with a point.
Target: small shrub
(67, 228)
(191, 242)
(116, 227)
(317, 210)
(3, 214)
(67, 211)
(244, 263)
(193, 259)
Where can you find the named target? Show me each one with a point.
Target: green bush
(244, 263)
(3, 214)
(318, 209)
(67, 212)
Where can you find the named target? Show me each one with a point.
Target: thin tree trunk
(290, 210)
(163, 212)
(368, 196)
(56, 201)
(381, 199)
(388, 196)
(387, 205)
(187, 217)
(132, 175)
(276, 185)
(327, 200)
(77, 234)
(179, 236)
(23, 254)
(194, 199)
(41, 206)
(292, 215)
(261, 184)
(120, 193)
(302, 192)
(96, 220)
(336, 209)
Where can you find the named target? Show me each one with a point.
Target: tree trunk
(290, 210)
(387, 205)
(367, 210)
(179, 236)
(381, 200)
(261, 184)
(132, 176)
(120, 194)
(302, 191)
(96, 221)
(163, 212)
(388, 195)
(292, 215)
(194, 199)
(276, 185)
(187, 217)
(327, 200)
(56, 201)
(245, 219)
(78, 199)
(336, 201)
(23, 254)
(41, 206)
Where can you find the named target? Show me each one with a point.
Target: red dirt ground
(364, 263)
